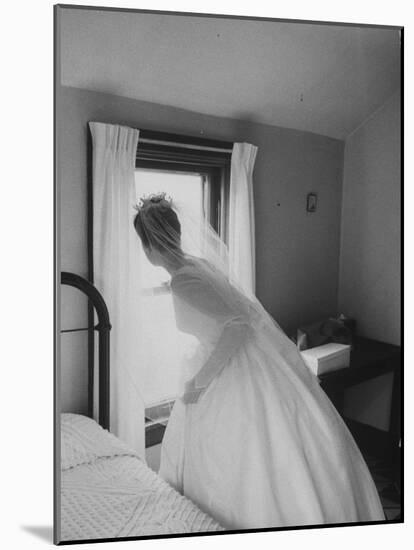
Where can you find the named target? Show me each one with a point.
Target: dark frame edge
(234, 532)
(56, 286)
(402, 263)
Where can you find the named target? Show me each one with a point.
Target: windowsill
(161, 420)
(156, 419)
(158, 413)
(154, 432)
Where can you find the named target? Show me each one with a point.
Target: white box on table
(326, 358)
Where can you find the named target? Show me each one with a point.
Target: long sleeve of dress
(206, 307)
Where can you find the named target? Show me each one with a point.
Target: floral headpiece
(154, 198)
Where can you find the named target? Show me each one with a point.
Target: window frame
(214, 166)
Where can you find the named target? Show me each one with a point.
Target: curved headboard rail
(103, 327)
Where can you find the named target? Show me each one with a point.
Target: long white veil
(194, 239)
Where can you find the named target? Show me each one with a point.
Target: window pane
(186, 189)
(165, 348)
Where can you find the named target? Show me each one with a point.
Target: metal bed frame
(103, 328)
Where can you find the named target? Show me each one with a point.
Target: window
(187, 155)
(185, 187)
(199, 179)
(168, 347)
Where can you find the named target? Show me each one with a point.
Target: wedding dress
(263, 446)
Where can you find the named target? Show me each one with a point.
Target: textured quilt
(108, 491)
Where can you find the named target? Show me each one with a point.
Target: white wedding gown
(263, 446)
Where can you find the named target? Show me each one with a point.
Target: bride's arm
(201, 295)
(231, 339)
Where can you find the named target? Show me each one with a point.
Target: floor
(386, 486)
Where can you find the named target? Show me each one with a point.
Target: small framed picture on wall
(311, 202)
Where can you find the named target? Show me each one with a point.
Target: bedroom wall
(369, 278)
(297, 252)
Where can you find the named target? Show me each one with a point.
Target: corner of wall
(341, 230)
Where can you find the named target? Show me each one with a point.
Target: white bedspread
(108, 491)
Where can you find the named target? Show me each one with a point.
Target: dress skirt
(265, 447)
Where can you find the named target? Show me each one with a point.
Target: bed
(106, 490)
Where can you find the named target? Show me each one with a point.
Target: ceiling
(325, 79)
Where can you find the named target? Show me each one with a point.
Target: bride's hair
(157, 224)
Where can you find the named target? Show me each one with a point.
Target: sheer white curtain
(242, 257)
(117, 273)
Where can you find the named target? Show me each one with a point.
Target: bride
(253, 441)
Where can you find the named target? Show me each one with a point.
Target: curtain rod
(185, 145)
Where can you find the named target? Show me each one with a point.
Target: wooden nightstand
(369, 359)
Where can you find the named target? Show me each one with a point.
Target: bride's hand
(191, 393)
